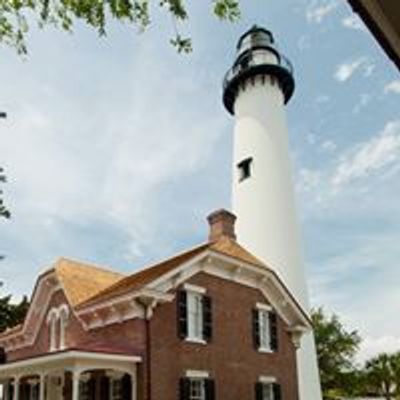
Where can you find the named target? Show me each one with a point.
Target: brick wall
(230, 358)
(129, 334)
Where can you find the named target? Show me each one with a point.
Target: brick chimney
(222, 224)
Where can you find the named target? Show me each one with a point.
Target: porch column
(133, 387)
(6, 390)
(16, 388)
(42, 386)
(75, 384)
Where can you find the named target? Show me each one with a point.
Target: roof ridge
(165, 259)
(85, 264)
(147, 270)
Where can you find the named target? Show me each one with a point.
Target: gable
(83, 281)
(234, 269)
(228, 261)
(46, 287)
(71, 280)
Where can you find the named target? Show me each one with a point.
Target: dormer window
(244, 168)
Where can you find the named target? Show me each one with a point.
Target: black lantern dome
(257, 55)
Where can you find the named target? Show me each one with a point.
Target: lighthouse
(255, 91)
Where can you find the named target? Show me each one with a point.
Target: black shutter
(104, 387)
(182, 314)
(277, 391)
(273, 326)
(3, 356)
(126, 387)
(256, 329)
(92, 388)
(207, 318)
(11, 389)
(259, 391)
(24, 390)
(210, 389)
(184, 389)
(36, 391)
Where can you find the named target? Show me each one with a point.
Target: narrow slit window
(244, 168)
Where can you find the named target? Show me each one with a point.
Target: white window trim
(194, 293)
(264, 307)
(195, 340)
(57, 319)
(267, 379)
(194, 289)
(195, 374)
(265, 350)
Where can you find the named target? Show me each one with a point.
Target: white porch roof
(73, 360)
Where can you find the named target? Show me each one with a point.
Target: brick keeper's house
(210, 323)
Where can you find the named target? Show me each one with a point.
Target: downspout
(148, 312)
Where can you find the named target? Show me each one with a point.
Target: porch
(71, 375)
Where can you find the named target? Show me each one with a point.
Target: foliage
(4, 212)
(336, 349)
(383, 375)
(12, 314)
(15, 16)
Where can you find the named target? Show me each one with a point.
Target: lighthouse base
(309, 383)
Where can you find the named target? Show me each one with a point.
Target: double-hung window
(197, 388)
(116, 389)
(194, 314)
(265, 328)
(268, 391)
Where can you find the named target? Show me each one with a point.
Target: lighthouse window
(244, 168)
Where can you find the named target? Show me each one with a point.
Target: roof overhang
(383, 20)
(260, 277)
(69, 360)
(121, 308)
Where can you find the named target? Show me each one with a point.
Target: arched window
(64, 314)
(52, 318)
(57, 319)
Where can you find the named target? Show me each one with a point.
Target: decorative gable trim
(232, 269)
(138, 304)
(46, 286)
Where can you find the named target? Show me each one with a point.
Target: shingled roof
(82, 281)
(224, 245)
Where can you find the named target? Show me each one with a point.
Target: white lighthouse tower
(256, 90)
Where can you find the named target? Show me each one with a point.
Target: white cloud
(329, 146)
(346, 70)
(319, 10)
(353, 22)
(364, 99)
(372, 346)
(311, 139)
(393, 87)
(303, 43)
(91, 170)
(307, 180)
(370, 157)
(322, 98)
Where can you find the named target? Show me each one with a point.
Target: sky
(116, 149)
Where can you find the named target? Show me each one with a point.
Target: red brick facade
(128, 335)
(230, 358)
